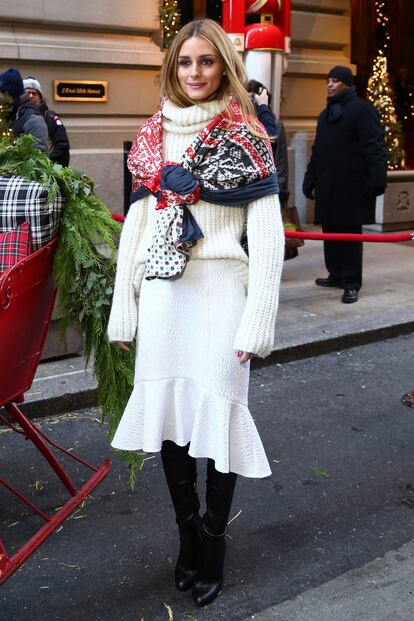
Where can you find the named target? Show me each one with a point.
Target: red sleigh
(27, 297)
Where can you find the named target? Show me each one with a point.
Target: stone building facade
(118, 41)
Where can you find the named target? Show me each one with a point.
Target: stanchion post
(127, 177)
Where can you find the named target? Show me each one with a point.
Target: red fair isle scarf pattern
(223, 157)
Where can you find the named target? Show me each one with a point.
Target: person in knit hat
(58, 139)
(24, 117)
(346, 172)
(341, 74)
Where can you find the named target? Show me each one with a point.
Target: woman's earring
(224, 73)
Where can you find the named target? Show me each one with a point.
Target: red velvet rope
(370, 237)
(118, 217)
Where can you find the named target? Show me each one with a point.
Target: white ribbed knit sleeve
(123, 318)
(266, 241)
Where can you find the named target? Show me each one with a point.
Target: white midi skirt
(189, 384)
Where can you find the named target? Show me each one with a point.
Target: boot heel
(185, 568)
(181, 475)
(208, 580)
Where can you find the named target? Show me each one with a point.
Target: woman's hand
(244, 356)
(122, 345)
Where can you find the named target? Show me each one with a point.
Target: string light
(381, 95)
(5, 132)
(170, 19)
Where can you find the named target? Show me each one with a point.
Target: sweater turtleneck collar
(192, 119)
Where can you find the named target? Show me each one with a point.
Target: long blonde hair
(232, 81)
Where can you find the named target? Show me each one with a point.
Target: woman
(261, 99)
(200, 166)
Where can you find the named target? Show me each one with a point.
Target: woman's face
(200, 69)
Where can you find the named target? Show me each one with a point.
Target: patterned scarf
(224, 165)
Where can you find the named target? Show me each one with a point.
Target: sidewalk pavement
(379, 591)
(311, 321)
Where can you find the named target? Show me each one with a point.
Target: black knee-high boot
(181, 474)
(209, 575)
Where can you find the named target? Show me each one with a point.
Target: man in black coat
(347, 170)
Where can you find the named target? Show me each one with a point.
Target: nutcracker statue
(261, 29)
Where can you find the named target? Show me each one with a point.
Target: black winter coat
(58, 138)
(348, 166)
(274, 127)
(26, 119)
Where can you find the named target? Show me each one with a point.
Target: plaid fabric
(14, 245)
(26, 201)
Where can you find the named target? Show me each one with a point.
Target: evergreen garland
(84, 272)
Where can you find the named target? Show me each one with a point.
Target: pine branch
(84, 273)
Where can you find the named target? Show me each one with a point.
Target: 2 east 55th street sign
(81, 90)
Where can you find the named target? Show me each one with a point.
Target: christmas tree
(380, 92)
(381, 95)
(170, 19)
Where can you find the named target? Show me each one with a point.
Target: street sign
(81, 90)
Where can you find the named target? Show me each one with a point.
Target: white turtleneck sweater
(222, 227)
